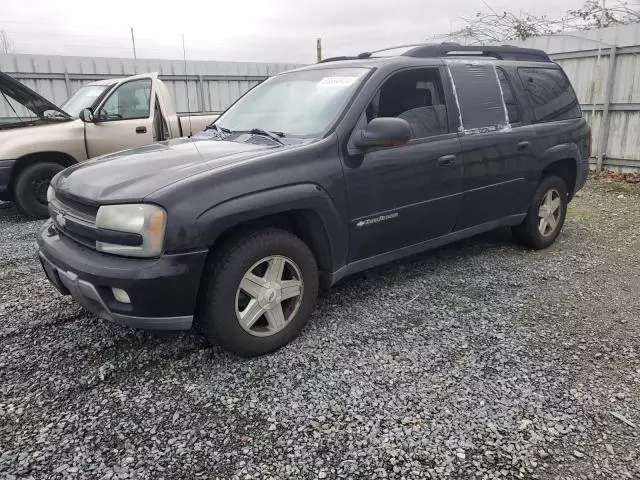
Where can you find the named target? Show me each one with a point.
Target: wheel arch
(306, 210)
(562, 160)
(25, 161)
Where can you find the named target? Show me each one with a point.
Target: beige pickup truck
(40, 139)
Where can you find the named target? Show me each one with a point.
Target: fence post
(67, 82)
(203, 106)
(603, 131)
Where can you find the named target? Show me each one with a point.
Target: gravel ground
(478, 360)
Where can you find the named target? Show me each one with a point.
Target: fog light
(120, 295)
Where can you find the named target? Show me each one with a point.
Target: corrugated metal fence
(604, 67)
(213, 86)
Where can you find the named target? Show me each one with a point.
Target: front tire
(258, 293)
(30, 189)
(546, 214)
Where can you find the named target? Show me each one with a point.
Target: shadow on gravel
(11, 213)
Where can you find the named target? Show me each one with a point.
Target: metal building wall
(213, 86)
(607, 85)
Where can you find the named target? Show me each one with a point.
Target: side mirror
(383, 132)
(86, 115)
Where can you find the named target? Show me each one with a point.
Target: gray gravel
(478, 360)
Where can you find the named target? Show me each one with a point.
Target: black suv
(311, 176)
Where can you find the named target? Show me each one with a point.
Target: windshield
(83, 98)
(296, 104)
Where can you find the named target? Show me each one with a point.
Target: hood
(27, 97)
(131, 175)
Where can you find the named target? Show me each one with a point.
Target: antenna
(186, 80)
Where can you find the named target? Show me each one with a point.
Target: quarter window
(130, 100)
(550, 94)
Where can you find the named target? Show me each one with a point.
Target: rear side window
(550, 94)
(508, 96)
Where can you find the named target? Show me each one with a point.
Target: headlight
(51, 194)
(132, 230)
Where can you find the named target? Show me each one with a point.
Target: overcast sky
(240, 30)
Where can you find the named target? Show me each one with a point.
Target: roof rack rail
(337, 59)
(501, 52)
(452, 49)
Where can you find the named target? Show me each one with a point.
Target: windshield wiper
(276, 136)
(213, 126)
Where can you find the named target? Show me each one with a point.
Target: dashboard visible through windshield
(85, 97)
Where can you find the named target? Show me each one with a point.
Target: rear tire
(243, 306)
(545, 216)
(30, 189)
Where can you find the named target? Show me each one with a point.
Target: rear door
(496, 144)
(124, 119)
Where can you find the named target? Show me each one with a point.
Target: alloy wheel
(549, 213)
(269, 295)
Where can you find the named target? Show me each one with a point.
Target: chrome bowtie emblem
(61, 220)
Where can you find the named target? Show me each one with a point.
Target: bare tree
(595, 14)
(501, 26)
(6, 44)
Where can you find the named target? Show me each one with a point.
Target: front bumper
(162, 290)
(6, 167)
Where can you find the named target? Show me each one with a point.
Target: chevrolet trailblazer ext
(314, 175)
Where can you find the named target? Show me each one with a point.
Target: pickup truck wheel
(259, 293)
(546, 214)
(30, 189)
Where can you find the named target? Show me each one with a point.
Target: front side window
(85, 97)
(550, 94)
(296, 104)
(415, 96)
(130, 100)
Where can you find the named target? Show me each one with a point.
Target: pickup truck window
(550, 94)
(129, 101)
(415, 96)
(299, 104)
(85, 97)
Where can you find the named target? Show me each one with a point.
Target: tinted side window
(130, 100)
(550, 94)
(415, 96)
(509, 98)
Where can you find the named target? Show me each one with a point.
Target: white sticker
(337, 81)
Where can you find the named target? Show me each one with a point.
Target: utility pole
(319, 49)
(133, 42)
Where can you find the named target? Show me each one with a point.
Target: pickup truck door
(124, 119)
(404, 195)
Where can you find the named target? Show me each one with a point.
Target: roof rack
(452, 49)
(501, 52)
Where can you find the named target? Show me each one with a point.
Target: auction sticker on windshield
(337, 81)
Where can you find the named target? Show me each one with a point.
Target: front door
(123, 120)
(403, 195)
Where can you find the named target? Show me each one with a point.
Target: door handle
(141, 129)
(522, 146)
(446, 160)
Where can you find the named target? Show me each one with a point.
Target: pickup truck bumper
(162, 290)
(6, 167)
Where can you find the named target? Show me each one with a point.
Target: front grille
(77, 209)
(75, 220)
